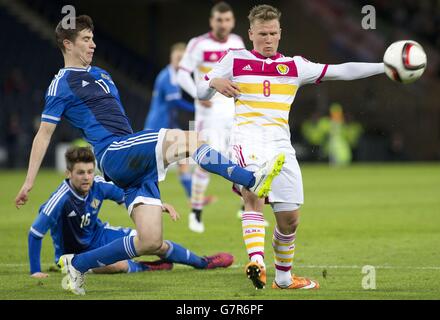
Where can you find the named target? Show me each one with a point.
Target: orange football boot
(298, 283)
(257, 274)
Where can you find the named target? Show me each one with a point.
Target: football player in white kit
(213, 117)
(264, 83)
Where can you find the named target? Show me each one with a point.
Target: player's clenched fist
(225, 86)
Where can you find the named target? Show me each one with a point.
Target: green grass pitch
(387, 216)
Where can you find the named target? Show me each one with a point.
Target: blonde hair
(179, 46)
(264, 12)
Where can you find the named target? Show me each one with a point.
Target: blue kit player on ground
(71, 215)
(87, 97)
(166, 101)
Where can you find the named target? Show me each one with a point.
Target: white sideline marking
(299, 266)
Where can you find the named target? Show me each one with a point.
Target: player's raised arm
(186, 82)
(39, 148)
(186, 66)
(353, 70)
(316, 72)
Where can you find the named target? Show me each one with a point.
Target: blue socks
(214, 162)
(178, 254)
(120, 249)
(123, 249)
(185, 180)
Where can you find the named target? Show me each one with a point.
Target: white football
(405, 61)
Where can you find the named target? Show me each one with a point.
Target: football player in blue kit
(166, 101)
(88, 98)
(71, 214)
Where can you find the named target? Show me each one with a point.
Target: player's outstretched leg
(77, 265)
(175, 253)
(180, 144)
(132, 266)
(258, 182)
(147, 241)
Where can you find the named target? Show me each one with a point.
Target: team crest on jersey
(95, 203)
(104, 76)
(282, 69)
(253, 157)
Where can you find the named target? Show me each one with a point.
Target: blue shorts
(109, 234)
(135, 164)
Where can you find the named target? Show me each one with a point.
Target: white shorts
(215, 131)
(287, 187)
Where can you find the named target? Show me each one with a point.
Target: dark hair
(82, 22)
(78, 154)
(264, 12)
(221, 7)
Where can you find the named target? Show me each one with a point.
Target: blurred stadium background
(394, 122)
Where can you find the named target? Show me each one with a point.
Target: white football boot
(75, 279)
(194, 225)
